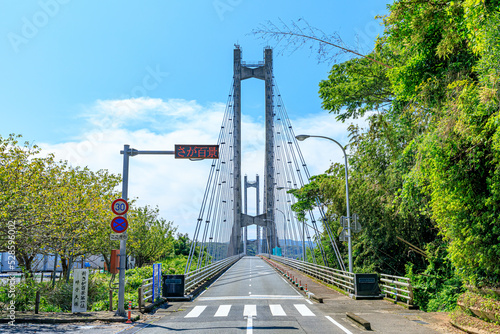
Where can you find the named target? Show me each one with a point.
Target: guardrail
(145, 292)
(397, 287)
(341, 279)
(195, 278)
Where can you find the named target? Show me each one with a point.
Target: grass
(58, 299)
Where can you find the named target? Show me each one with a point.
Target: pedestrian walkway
(250, 310)
(382, 315)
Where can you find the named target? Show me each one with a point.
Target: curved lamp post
(304, 137)
(303, 231)
(284, 228)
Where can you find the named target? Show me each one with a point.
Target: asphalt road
(250, 298)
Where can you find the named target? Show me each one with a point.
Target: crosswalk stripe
(250, 311)
(223, 311)
(304, 310)
(195, 312)
(277, 310)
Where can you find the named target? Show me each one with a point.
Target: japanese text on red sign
(197, 151)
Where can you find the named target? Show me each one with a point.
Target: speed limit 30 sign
(119, 207)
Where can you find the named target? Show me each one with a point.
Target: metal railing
(341, 279)
(145, 292)
(197, 277)
(397, 287)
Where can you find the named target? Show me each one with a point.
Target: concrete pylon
(263, 71)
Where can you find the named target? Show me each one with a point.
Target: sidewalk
(383, 316)
(63, 318)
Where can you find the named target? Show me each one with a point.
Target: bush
(438, 287)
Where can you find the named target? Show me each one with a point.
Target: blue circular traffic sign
(119, 224)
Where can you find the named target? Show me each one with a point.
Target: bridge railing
(397, 288)
(197, 277)
(341, 279)
(145, 292)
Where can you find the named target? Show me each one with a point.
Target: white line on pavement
(304, 310)
(277, 310)
(338, 325)
(250, 325)
(195, 312)
(223, 311)
(250, 297)
(250, 311)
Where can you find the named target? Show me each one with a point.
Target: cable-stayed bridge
(223, 222)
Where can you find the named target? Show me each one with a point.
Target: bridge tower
(263, 71)
(251, 184)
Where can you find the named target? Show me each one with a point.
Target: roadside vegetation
(54, 208)
(58, 298)
(424, 174)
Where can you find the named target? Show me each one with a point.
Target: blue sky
(82, 78)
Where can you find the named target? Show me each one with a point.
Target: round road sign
(119, 206)
(119, 224)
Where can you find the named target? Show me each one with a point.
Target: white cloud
(177, 186)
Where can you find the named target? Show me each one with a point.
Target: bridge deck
(251, 297)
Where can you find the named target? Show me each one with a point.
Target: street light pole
(123, 243)
(304, 137)
(284, 228)
(303, 232)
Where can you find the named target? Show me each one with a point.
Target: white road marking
(250, 325)
(195, 312)
(310, 302)
(250, 311)
(284, 280)
(223, 311)
(338, 325)
(277, 310)
(304, 310)
(250, 297)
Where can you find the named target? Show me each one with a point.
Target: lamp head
(302, 137)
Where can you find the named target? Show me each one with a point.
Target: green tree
(151, 238)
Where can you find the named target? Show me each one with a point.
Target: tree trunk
(25, 261)
(65, 267)
(106, 260)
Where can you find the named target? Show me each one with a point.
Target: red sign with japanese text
(197, 151)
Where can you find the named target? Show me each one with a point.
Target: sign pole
(123, 248)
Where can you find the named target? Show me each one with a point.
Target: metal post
(303, 137)
(349, 231)
(284, 228)
(123, 248)
(37, 301)
(304, 241)
(245, 237)
(259, 230)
